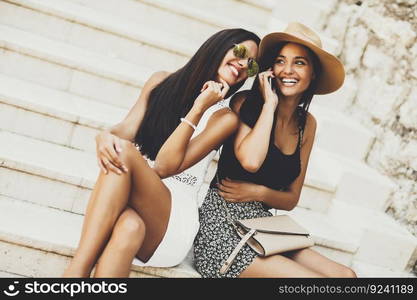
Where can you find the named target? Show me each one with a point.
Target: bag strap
(225, 267)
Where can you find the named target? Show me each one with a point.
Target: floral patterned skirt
(216, 238)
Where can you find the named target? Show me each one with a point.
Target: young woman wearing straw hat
(264, 164)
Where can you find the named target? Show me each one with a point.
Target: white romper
(183, 221)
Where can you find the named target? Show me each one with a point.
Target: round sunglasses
(240, 51)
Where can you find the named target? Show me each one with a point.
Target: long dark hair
(173, 98)
(253, 103)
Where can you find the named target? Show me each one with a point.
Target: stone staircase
(69, 68)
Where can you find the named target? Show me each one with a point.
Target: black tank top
(278, 170)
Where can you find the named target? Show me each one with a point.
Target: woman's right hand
(211, 93)
(108, 146)
(268, 94)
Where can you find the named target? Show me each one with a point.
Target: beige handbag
(267, 236)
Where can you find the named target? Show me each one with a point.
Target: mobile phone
(273, 84)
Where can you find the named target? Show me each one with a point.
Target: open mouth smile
(234, 70)
(289, 81)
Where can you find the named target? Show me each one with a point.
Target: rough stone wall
(378, 44)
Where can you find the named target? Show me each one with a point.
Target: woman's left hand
(239, 191)
(211, 93)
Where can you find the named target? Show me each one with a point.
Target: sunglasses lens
(253, 67)
(240, 51)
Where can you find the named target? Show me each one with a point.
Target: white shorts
(182, 227)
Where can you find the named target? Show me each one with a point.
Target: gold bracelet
(189, 123)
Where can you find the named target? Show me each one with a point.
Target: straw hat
(332, 73)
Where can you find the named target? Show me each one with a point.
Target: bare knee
(344, 272)
(129, 231)
(128, 151)
(348, 273)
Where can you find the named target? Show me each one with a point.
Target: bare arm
(251, 144)
(179, 152)
(221, 125)
(108, 141)
(128, 127)
(285, 200)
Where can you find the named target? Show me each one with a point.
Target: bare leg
(125, 241)
(277, 266)
(107, 200)
(110, 197)
(315, 261)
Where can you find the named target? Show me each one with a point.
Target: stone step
(133, 40)
(383, 241)
(225, 14)
(264, 4)
(54, 116)
(171, 20)
(64, 67)
(348, 180)
(179, 16)
(341, 134)
(369, 270)
(10, 275)
(42, 244)
(331, 241)
(376, 237)
(362, 185)
(53, 175)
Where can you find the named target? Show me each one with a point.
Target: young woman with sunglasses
(263, 165)
(144, 205)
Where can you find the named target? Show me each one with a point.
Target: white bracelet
(189, 123)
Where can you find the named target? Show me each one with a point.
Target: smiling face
(233, 69)
(293, 70)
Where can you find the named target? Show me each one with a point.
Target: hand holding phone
(268, 87)
(273, 84)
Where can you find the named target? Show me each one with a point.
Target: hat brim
(332, 74)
